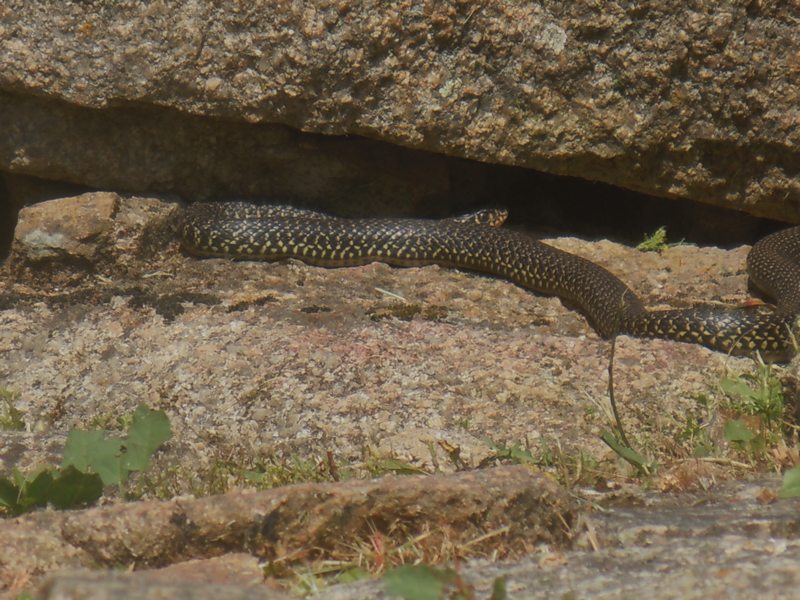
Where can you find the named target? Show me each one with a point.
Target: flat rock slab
(695, 103)
(260, 360)
(725, 543)
(507, 507)
(722, 543)
(83, 585)
(257, 362)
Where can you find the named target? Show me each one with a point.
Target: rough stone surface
(66, 231)
(84, 585)
(254, 359)
(256, 363)
(295, 523)
(698, 103)
(235, 568)
(720, 544)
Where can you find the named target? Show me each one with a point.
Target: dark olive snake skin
(476, 242)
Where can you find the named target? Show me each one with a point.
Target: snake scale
(476, 242)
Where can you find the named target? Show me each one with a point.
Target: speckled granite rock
(724, 543)
(507, 507)
(257, 362)
(84, 585)
(719, 544)
(698, 102)
(76, 230)
(253, 359)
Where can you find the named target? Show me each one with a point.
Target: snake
(478, 242)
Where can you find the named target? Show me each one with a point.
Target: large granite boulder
(205, 99)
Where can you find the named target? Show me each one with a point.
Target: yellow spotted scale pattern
(476, 242)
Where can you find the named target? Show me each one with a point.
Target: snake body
(477, 243)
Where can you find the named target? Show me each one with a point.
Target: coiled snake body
(477, 243)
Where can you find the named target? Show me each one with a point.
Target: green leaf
(19, 478)
(36, 490)
(92, 450)
(419, 582)
(736, 431)
(791, 484)
(627, 453)
(107, 462)
(81, 448)
(150, 429)
(9, 495)
(738, 388)
(63, 489)
(516, 454)
(74, 488)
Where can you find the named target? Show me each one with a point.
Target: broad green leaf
(791, 484)
(74, 488)
(92, 450)
(81, 448)
(150, 429)
(418, 582)
(736, 431)
(9, 495)
(19, 478)
(106, 461)
(36, 490)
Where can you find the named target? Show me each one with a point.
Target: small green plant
(61, 488)
(738, 434)
(514, 453)
(422, 582)
(756, 401)
(114, 457)
(791, 483)
(10, 416)
(91, 461)
(312, 579)
(616, 438)
(570, 468)
(377, 466)
(294, 469)
(111, 421)
(643, 465)
(655, 242)
(695, 431)
(759, 394)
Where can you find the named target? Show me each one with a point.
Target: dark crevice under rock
(353, 176)
(8, 220)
